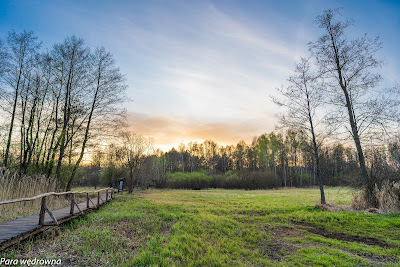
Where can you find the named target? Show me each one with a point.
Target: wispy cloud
(215, 85)
(171, 131)
(199, 69)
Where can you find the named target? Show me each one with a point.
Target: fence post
(106, 195)
(72, 204)
(87, 200)
(42, 211)
(98, 199)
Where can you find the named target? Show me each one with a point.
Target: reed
(14, 186)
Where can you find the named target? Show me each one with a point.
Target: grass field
(222, 228)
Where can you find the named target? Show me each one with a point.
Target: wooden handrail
(49, 194)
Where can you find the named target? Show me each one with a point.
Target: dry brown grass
(388, 196)
(13, 186)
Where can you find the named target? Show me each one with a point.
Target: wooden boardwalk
(12, 232)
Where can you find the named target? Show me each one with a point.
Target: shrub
(259, 180)
(193, 180)
(109, 176)
(229, 180)
(387, 196)
(306, 179)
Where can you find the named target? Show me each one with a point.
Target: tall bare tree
(347, 66)
(301, 99)
(22, 49)
(3, 58)
(107, 94)
(71, 59)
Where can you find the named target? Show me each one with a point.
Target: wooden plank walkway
(14, 231)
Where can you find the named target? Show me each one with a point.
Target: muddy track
(284, 232)
(344, 237)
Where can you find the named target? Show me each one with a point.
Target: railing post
(72, 204)
(98, 199)
(42, 211)
(87, 200)
(106, 195)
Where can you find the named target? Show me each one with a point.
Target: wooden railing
(43, 207)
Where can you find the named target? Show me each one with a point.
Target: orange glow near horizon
(169, 132)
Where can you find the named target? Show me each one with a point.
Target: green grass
(222, 228)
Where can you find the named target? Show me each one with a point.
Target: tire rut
(344, 237)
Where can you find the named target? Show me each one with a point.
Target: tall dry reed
(388, 197)
(13, 186)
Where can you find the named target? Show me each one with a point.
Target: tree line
(54, 102)
(278, 159)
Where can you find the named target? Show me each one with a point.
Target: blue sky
(202, 69)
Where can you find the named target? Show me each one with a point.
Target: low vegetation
(229, 180)
(220, 228)
(14, 186)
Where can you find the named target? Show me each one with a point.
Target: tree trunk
(316, 156)
(370, 185)
(320, 180)
(69, 184)
(6, 154)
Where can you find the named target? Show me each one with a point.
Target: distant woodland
(337, 124)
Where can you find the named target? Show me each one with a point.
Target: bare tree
(71, 60)
(302, 98)
(135, 147)
(22, 50)
(107, 92)
(3, 57)
(45, 113)
(347, 67)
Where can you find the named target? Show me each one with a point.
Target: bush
(306, 179)
(260, 180)
(229, 180)
(193, 180)
(109, 176)
(387, 196)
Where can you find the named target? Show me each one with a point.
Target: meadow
(283, 227)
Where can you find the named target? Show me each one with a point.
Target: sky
(198, 70)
